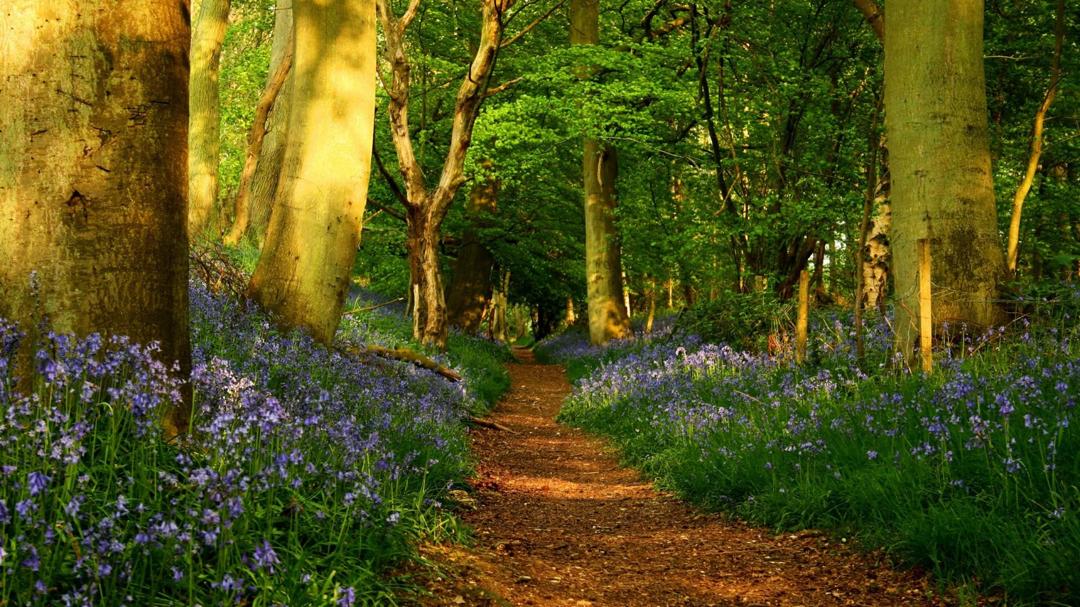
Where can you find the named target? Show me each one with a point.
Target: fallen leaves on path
(558, 523)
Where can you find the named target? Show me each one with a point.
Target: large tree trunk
(255, 196)
(603, 267)
(93, 171)
(939, 161)
(471, 286)
(304, 271)
(211, 19)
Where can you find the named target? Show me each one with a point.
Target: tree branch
(874, 17)
(394, 187)
(529, 27)
(410, 14)
(495, 90)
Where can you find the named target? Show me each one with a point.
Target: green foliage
(742, 320)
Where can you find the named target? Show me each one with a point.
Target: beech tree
(426, 207)
(939, 159)
(608, 316)
(93, 171)
(210, 20)
(303, 274)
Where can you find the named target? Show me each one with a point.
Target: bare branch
(495, 90)
(529, 27)
(410, 14)
(394, 187)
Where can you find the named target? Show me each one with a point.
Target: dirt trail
(559, 523)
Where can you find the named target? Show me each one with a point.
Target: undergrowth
(306, 477)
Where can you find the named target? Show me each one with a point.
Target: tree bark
(256, 138)
(426, 208)
(939, 157)
(208, 27)
(304, 271)
(260, 191)
(93, 172)
(603, 266)
(1022, 190)
(471, 286)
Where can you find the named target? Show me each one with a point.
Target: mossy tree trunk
(304, 271)
(211, 19)
(939, 161)
(93, 171)
(607, 314)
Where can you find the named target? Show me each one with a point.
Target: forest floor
(558, 522)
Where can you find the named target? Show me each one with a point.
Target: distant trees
(942, 187)
(304, 271)
(93, 171)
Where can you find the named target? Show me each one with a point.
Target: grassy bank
(971, 473)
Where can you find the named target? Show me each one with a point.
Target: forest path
(558, 522)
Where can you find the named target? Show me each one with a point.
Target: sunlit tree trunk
(471, 287)
(255, 196)
(93, 171)
(211, 19)
(939, 161)
(303, 274)
(603, 267)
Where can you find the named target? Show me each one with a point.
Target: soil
(558, 522)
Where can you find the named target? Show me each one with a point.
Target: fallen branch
(405, 355)
(486, 423)
(374, 307)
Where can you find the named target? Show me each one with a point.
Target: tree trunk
(303, 274)
(255, 141)
(876, 253)
(208, 27)
(939, 157)
(471, 286)
(259, 192)
(1022, 190)
(650, 299)
(93, 171)
(429, 307)
(603, 267)
(499, 303)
